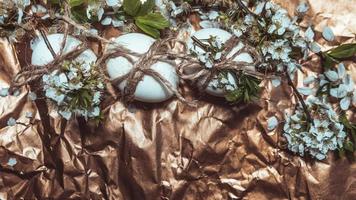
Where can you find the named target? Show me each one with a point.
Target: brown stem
(299, 97)
(246, 9)
(48, 44)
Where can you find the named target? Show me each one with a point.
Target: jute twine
(32, 73)
(193, 70)
(160, 50)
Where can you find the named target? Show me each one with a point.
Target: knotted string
(159, 51)
(32, 73)
(193, 70)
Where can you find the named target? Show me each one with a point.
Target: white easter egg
(148, 89)
(41, 55)
(223, 36)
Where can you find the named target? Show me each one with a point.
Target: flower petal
(305, 90)
(345, 103)
(328, 34)
(314, 47)
(309, 34)
(276, 82)
(272, 123)
(308, 80)
(332, 75)
(341, 70)
(106, 21)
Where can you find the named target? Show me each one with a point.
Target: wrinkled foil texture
(170, 150)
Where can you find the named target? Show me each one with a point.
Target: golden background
(169, 151)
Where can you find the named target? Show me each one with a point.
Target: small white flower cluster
(170, 10)
(274, 33)
(75, 90)
(209, 57)
(209, 19)
(316, 138)
(97, 9)
(9, 5)
(338, 84)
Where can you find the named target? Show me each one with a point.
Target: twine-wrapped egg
(223, 36)
(41, 55)
(149, 89)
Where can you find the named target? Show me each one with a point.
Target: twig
(82, 28)
(246, 9)
(300, 98)
(48, 44)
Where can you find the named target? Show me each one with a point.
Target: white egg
(148, 89)
(222, 36)
(41, 55)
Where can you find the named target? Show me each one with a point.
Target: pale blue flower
(305, 90)
(51, 93)
(302, 7)
(65, 114)
(114, 22)
(272, 123)
(12, 162)
(309, 34)
(309, 80)
(328, 34)
(96, 97)
(325, 133)
(29, 115)
(259, 8)
(11, 122)
(95, 112)
(21, 5)
(4, 92)
(114, 3)
(32, 96)
(16, 93)
(315, 47)
(276, 82)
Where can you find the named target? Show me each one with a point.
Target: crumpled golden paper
(167, 151)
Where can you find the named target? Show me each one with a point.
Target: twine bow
(194, 71)
(32, 73)
(159, 51)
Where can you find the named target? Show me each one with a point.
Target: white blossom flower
(114, 22)
(324, 134)
(272, 123)
(114, 3)
(65, 114)
(21, 5)
(280, 22)
(95, 9)
(11, 122)
(342, 86)
(328, 34)
(29, 115)
(32, 96)
(279, 50)
(4, 92)
(302, 7)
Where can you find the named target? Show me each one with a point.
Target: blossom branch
(299, 97)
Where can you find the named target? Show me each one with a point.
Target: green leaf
(148, 29)
(53, 1)
(348, 145)
(343, 51)
(132, 7)
(146, 8)
(74, 3)
(79, 14)
(155, 20)
(328, 61)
